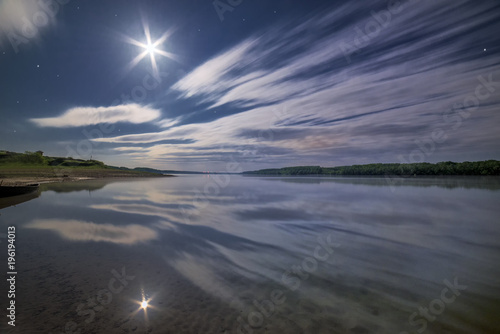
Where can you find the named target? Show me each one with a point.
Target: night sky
(258, 82)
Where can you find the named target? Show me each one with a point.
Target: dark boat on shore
(5, 202)
(8, 191)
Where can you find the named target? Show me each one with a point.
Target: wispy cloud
(83, 116)
(14, 14)
(22, 21)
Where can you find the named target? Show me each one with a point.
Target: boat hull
(9, 191)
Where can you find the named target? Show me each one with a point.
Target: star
(484, 49)
(37, 65)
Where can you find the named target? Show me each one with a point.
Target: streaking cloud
(13, 15)
(294, 95)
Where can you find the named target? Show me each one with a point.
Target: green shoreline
(29, 167)
(448, 168)
(34, 166)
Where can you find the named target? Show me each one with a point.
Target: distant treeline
(489, 167)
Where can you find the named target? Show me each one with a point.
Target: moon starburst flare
(150, 48)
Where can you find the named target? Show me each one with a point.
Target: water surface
(233, 254)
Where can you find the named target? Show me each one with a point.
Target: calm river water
(234, 254)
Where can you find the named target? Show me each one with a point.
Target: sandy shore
(11, 176)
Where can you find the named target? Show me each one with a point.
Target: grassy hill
(37, 159)
(30, 166)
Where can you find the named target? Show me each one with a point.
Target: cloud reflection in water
(77, 230)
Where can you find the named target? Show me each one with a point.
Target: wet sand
(20, 176)
(57, 281)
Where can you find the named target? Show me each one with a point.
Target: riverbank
(47, 174)
(446, 168)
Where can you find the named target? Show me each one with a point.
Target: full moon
(150, 48)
